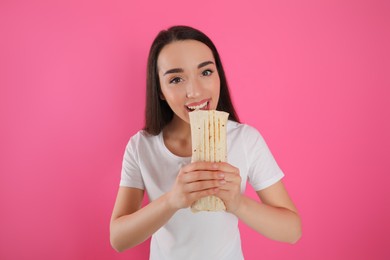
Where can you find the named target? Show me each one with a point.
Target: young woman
(185, 72)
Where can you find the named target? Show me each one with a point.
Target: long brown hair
(157, 112)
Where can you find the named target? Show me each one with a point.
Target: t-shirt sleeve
(263, 169)
(131, 174)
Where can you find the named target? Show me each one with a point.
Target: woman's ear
(162, 96)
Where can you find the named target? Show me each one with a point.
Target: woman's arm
(131, 225)
(276, 217)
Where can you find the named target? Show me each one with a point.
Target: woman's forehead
(183, 54)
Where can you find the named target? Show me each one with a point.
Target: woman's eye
(207, 73)
(175, 80)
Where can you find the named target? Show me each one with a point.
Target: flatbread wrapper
(208, 136)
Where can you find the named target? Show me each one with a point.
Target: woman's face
(188, 76)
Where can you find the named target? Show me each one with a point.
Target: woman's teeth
(198, 107)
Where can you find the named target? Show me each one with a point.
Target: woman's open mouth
(204, 105)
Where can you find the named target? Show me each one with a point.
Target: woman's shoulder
(142, 136)
(242, 129)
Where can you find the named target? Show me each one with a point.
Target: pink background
(312, 76)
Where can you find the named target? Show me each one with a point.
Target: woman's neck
(179, 128)
(177, 137)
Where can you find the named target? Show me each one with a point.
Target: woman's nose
(193, 89)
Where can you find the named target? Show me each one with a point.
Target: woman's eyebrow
(205, 64)
(176, 70)
(180, 70)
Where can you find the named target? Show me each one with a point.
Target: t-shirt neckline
(176, 157)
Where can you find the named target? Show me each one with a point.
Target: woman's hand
(194, 181)
(230, 192)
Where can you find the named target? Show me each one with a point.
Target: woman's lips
(202, 105)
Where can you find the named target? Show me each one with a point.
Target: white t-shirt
(149, 165)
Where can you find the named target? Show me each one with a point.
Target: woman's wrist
(169, 202)
(245, 207)
(240, 206)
